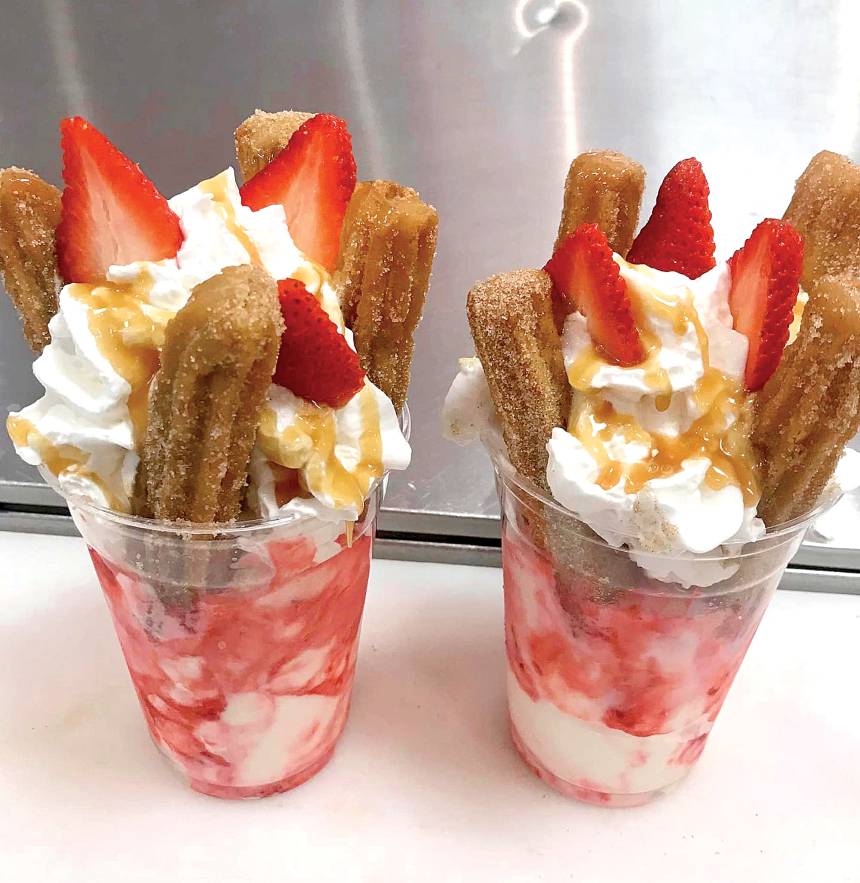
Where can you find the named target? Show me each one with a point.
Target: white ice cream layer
(85, 406)
(284, 734)
(592, 755)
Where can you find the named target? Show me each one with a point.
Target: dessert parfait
(225, 379)
(663, 426)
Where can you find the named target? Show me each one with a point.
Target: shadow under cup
(616, 678)
(240, 640)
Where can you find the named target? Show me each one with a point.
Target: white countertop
(425, 784)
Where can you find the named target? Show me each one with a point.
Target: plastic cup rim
(786, 530)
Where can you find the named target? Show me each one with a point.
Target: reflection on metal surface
(480, 106)
(533, 16)
(845, 107)
(64, 48)
(375, 142)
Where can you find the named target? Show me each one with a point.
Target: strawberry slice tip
(111, 213)
(313, 178)
(586, 278)
(765, 282)
(315, 362)
(678, 236)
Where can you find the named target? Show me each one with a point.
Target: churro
(386, 253)
(825, 210)
(216, 367)
(264, 135)
(810, 408)
(604, 188)
(512, 324)
(29, 213)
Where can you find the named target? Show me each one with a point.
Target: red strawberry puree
(612, 698)
(246, 691)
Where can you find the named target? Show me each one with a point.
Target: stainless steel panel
(479, 104)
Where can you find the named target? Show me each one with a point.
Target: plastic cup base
(255, 792)
(578, 792)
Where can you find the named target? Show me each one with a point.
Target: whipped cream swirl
(85, 432)
(654, 456)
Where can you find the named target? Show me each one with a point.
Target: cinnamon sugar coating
(29, 214)
(217, 363)
(387, 246)
(825, 210)
(810, 409)
(604, 188)
(261, 137)
(511, 319)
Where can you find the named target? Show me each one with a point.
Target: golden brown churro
(264, 135)
(216, 366)
(516, 339)
(810, 408)
(29, 213)
(604, 188)
(386, 253)
(825, 210)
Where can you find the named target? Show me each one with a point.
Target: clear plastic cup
(241, 641)
(615, 679)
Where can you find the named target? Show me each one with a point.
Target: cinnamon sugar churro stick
(825, 210)
(604, 188)
(512, 324)
(216, 367)
(29, 214)
(387, 246)
(810, 408)
(262, 136)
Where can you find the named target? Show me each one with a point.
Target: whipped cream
(85, 431)
(654, 455)
(340, 453)
(468, 413)
(643, 458)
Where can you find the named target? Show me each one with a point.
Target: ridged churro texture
(604, 188)
(386, 255)
(216, 367)
(516, 340)
(825, 210)
(29, 214)
(810, 409)
(264, 135)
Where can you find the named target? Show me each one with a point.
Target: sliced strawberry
(315, 361)
(584, 273)
(765, 282)
(312, 178)
(111, 212)
(678, 235)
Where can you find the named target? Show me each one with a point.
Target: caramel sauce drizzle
(129, 332)
(217, 188)
(309, 445)
(57, 459)
(717, 396)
